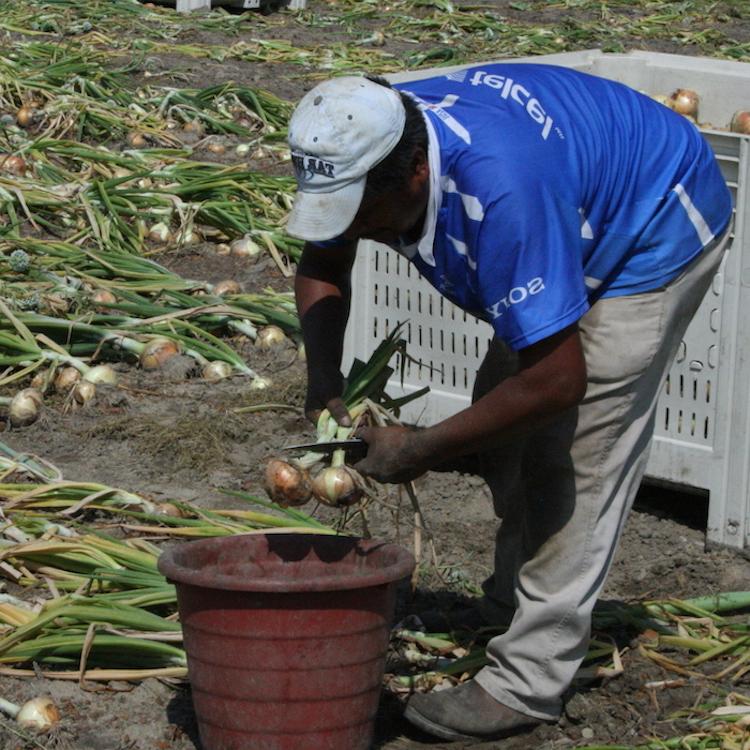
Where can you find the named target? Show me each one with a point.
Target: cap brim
(317, 217)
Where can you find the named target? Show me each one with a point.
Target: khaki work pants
(564, 492)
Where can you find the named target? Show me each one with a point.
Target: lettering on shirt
(515, 296)
(510, 89)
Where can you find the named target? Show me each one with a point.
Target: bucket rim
(399, 567)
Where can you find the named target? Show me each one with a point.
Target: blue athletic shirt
(551, 188)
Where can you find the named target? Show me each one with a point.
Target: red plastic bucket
(286, 636)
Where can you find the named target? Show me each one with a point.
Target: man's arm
(551, 379)
(322, 288)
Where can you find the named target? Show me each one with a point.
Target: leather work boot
(466, 712)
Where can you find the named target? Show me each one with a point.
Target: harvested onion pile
(686, 102)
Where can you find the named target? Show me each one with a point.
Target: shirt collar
(424, 244)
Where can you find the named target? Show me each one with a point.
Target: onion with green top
(14, 165)
(39, 714)
(287, 484)
(25, 407)
(136, 140)
(66, 378)
(103, 297)
(213, 372)
(83, 392)
(226, 286)
(270, 337)
(101, 374)
(336, 486)
(25, 116)
(245, 248)
(159, 232)
(157, 353)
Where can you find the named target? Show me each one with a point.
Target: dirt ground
(173, 436)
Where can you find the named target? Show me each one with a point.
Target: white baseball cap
(339, 131)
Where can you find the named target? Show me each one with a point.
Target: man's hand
(336, 407)
(394, 454)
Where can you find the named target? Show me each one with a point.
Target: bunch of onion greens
(334, 483)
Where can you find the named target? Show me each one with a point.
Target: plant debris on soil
(142, 154)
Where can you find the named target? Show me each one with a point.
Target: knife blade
(355, 446)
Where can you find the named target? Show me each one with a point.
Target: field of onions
(152, 373)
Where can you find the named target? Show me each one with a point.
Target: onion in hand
(287, 484)
(336, 486)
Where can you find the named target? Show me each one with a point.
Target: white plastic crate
(184, 6)
(702, 435)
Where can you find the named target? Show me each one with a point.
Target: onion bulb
(227, 286)
(336, 486)
(14, 165)
(101, 374)
(169, 509)
(245, 248)
(40, 381)
(188, 236)
(270, 337)
(83, 392)
(223, 249)
(741, 122)
(159, 232)
(101, 298)
(194, 126)
(259, 383)
(287, 484)
(216, 148)
(213, 372)
(377, 39)
(685, 102)
(66, 379)
(25, 116)
(136, 139)
(157, 352)
(40, 714)
(243, 149)
(25, 407)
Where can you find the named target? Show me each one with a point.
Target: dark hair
(397, 167)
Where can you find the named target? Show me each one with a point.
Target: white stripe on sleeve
(695, 216)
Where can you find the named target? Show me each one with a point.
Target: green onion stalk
(20, 347)
(152, 345)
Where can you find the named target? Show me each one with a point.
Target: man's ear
(420, 166)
